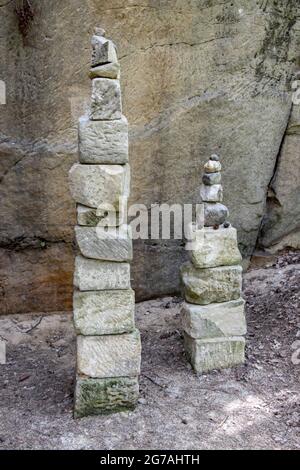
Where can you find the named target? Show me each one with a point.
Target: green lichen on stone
(105, 396)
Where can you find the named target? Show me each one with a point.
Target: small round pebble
(215, 157)
(212, 167)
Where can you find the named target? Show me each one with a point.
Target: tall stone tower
(108, 344)
(213, 316)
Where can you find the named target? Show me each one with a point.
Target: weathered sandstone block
(213, 193)
(103, 51)
(214, 353)
(211, 285)
(110, 70)
(103, 396)
(213, 248)
(106, 99)
(113, 244)
(104, 312)
(93, 185)
(105, 215)
(109, 356)
(91, 275)
(214, 320)
(103, 141)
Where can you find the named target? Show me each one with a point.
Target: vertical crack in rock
(271, 199)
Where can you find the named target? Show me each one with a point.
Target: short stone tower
(213, 316)
(108, 344)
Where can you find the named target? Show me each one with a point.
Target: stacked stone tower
(213, 315)
(108, 344)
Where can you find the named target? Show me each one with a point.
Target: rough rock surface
(103, 141)
(91, 274)
(210, 285)
(281, 223)
(109, 356)
(95, 185)
(106, 99)
(212, 248)
(113, 244)
(103, 312)
(197, 77)
(214, 320)
(214, 353)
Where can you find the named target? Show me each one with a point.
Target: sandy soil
(254, 406)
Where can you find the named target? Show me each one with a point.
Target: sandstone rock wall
(207, 75)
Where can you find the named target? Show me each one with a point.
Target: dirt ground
(255, 406)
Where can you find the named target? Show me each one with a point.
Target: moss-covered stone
(105, 396)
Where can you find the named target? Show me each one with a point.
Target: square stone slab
(98, 185)
(215, 353)
(103, 141)
(211, 285)
(214, 320)
(113, 244)
(104, 312)
(109, 356)
(104, 396)
(213, 248)
(106, 102)
(91, 274)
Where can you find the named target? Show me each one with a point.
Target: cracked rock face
(190, 87)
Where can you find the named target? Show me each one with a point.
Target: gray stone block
(108, 312)
(103, 141)
(93, 275)
(214, 320)
(211, 285)
(213, 248)
(106, 102)
(113, 244)
(109, 356)
(216, 353)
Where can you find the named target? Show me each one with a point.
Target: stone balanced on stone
(108, 344)
(213, 317)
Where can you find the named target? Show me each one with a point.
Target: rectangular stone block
(213, 248)
(105, 216)
(215, 353)
(93, 275)
(113, 244)
(105, 396)
(104, 51)
(214, 320)
(106, 102)
(103, 141)
(109, 356)
(99, 185)
(104, 312)
(211, 285)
